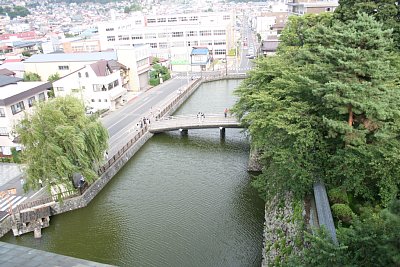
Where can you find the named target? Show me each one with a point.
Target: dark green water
(180, 201)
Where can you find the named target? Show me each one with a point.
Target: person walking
(226, 112)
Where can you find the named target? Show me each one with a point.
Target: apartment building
(172, 36)
(99, 85)
(81, 45)
(17, 97)
(301, 7)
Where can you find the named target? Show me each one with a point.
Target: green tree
(59, 140)
(54, 77)
(327, 107)
(31, 77)
(385, 11)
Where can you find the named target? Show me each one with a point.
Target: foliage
(14, 11)
(157, 73)
(385, 11)
(26, 54)
(31, 77)
(54, 77)
(132, 8)
(155, 60)
(327, 107)
(15, 155)
(232, 52)
(59, 140)
(373, 241)
(338, 196)
(343, 212)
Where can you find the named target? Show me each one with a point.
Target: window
(83, 87)
(192, 43)
(116, 83)
(178, 44)
(123, 37)
(18, 107)
(75, 90)
(79, 75)
(161, 20)
(206, 42)
(97, 87)
(109, 29)
(194, 18)
(137, 36)
(328, 9)
(150, 36)
(110, 38)
(183, 18)
(86, 75)
(226, 17)
(191, 33)
(138, 22)
(172, 19)
(205, 33)
(220, 52)
(177, 34)
(110, 86)
(219, 42)
(142, 62)
(162, 35)
(2, 112)
(99, 100)
(105, 100)
(153, 45)
(63, 67)
(151, 21)
(42, 97)
(58, 89)
(219, 32)
(163, 45)
(92, 100)
(3, 131)
(31, 100)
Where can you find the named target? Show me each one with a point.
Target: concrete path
(13, 255)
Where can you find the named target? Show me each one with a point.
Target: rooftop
(17, 88)
(7, 80)
(72, 57)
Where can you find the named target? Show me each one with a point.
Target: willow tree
(59, 141)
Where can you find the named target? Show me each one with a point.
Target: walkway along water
(38, 215)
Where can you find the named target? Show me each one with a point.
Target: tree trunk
(350, 109)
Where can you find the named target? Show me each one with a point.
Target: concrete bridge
(186, 122)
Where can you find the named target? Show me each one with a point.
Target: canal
(180, 201)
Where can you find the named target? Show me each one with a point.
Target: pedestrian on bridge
(226, 112)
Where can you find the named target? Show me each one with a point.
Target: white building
(172, 36)
(136, 59)
(15, 98)
(98, 85)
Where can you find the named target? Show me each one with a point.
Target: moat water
(180, 201)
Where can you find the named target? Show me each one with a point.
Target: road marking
(6, 201)
(10, 203)
(36, 192)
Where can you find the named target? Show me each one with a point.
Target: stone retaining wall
(282, 229)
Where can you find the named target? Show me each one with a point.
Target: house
(15, 67)
(200, 59)
(136, 59)
(16, 97)
(269, 47)
(7, 72)
(99, 85)
(301, 7)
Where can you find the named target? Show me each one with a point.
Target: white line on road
(36, 192)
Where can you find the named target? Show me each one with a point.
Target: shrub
(154, 81)
(338, 196)
(343, 212)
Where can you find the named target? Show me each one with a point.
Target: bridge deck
(186, 122)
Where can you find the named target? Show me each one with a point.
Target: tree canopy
(59, 141)
(31, 77)
(327, 107)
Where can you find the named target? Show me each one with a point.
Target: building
(173, 36)
(271, 24)
(301, 7)
(81, 45)
(136, 59)
(200, 59)
(99, 85)
(16, 97)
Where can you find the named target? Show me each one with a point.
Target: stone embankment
(282, 229)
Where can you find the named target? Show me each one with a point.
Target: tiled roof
(6, 72)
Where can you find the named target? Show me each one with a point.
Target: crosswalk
(11, 201)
